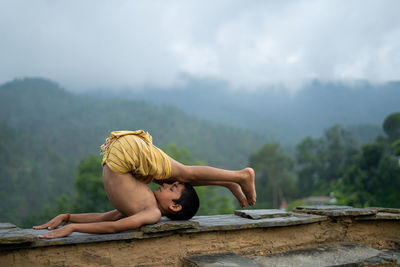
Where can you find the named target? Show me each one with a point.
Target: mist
(247, 45)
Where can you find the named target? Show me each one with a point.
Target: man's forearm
(94, 228)
(127, 223)
(148, 216)
(94, 217)
(84, 217)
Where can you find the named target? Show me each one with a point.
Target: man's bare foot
(238, 193)
(248, 186)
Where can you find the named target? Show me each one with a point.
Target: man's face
(166, 193)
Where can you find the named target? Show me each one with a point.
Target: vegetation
(373, 179)
(275, 175)
(366, 176)
(391, 126)
(28, 171)
(396, 148)
(46, 131)
(373, 176)
(49, 140)
(322, 161)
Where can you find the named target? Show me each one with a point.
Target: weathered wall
(169, 249)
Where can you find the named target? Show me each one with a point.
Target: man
(130, 161)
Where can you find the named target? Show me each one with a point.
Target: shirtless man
(130, 161)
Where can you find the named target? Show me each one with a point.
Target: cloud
(114, 44)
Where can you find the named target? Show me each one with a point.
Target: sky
(247, 44)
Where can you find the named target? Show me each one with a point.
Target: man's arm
(113, 215)
(127, 223)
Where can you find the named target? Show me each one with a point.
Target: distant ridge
(275, 112)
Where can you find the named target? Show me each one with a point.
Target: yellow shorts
(133, 151)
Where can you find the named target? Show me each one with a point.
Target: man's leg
(205, 175)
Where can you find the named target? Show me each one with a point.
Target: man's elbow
(112, 230)
(154, 218)
(109, 228)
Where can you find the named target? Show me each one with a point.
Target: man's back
(128, 195)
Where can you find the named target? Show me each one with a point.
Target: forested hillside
(31, 173)
(45, 131)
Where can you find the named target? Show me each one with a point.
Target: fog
(247, 44)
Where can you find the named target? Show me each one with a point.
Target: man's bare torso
(127, 194)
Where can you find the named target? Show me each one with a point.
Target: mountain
(276, 112)
(77, 125)
(45, 131)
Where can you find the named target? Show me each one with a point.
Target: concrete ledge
(167, 243)
(335, 211)
(166, 227)
(261, 214)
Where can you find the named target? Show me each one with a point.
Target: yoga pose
(130, 161)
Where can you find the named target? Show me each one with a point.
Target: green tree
(274, 170)
(309, 164)
(89, 195)
(396, 148)
(180, 154)
(322, 161)
(391, 126)
(89, 189)
(213, 202)
(373, 179)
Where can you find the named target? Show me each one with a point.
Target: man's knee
(183, 173)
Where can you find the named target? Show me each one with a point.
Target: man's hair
(190, 204)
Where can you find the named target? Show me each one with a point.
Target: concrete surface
(346, 254)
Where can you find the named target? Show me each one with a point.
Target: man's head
(177, 201)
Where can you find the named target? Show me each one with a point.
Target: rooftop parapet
(246, 233)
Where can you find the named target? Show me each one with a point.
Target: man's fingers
(61, 232)
(40, 226)
(45, 226)
(49, 235)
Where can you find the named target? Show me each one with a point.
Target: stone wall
(246, 233)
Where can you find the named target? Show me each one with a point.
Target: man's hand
(148, 216)
(56, 221)
(61, 232)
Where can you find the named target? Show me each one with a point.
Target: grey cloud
(249, 44)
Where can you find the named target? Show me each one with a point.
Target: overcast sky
(249, 44)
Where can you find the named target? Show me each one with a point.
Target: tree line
(49, 140)
(45, 131)
(359, 176)
(332, 164)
